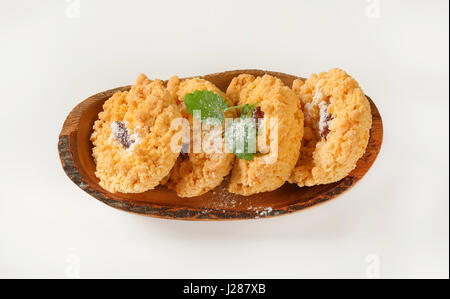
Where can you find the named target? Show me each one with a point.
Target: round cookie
(196, 173)
(281, 109)
(337, 127)
(132, 138)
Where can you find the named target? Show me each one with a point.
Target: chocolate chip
(257, 114)
(120, 132)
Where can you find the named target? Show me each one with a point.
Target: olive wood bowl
(75, 150)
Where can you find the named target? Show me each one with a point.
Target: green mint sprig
(246, 109)
(240, 137)
(210, 104)
(240, 134)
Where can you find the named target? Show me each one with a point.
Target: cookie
(280, 108)
(337, 127)
(132, 137)
(196, 173)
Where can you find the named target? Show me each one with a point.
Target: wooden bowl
(75, 150)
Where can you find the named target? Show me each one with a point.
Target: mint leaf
(240, 137)
(248, 109)
(210, 104)
(245, 156)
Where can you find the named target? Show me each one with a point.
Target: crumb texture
(142, 117)
(281, 107)
(196, 173)
(336, 127)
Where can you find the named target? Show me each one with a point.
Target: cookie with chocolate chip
(336, 127)
(132, 138)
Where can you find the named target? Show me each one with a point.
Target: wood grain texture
(75, 150)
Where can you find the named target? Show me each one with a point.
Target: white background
(53, 56)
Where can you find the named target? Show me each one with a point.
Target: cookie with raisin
(132, 138)
(198, 171)
(279, 133)
(336, 127)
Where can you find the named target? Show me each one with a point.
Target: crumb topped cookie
(336, 127)
(132, 138)
(196, 173)
(280, 107)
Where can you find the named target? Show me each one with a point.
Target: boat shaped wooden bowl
(75, 150)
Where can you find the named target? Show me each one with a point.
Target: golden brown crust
(327, 160)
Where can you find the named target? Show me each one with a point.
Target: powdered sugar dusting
(308, 111)
(325, 120)
(266, 211)
(224, 200)
(318, 95)
(323, 106)
(136, 138)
